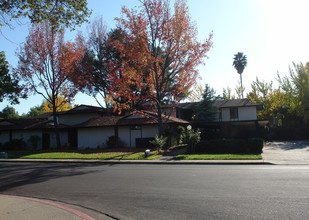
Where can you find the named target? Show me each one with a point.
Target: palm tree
(240, 62)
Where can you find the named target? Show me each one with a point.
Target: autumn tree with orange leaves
(46, 63)
(159, 53)
(94, 69)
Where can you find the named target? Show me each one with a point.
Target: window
(233, 113)
(220, 114)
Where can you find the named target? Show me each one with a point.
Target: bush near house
(231, 146)
(144, 142)
(15, 144)
(159, 142)
(288, 133)
(114, 142)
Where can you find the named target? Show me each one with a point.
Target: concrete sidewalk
(16, 207)
(286, 152)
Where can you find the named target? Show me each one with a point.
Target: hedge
(231, 146)
(15, 144)
(144, 142)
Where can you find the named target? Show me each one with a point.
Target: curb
(163, 162)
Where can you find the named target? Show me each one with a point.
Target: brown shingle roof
(235, 103)
(77, 110)
(103, 121)
(221, 104)
(86, 109)
(187, 105)
(25, 124)
(149, 119)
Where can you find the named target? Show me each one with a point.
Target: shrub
(256, 145)
(192, 138)
(114, 142)
(159, 142)
(219, 146)
(144, 142)
(288, 133)
(15, 144)
(180, 132)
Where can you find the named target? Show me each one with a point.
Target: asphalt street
(166, 191)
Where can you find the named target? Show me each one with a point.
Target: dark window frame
(234, 113)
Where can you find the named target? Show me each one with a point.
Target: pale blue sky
(272, 34)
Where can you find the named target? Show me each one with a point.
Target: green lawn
(219, 157)
(126, 156)
(89, 156)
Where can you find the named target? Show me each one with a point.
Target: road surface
(166, 191)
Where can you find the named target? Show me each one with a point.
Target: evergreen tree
(206, 110)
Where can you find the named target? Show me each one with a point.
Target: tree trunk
(242, 90)
(56, 125)
(160, 123)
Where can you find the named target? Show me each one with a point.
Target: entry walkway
(286, 152)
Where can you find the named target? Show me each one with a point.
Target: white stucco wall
(146, 132)
(244, 114)
(247, 113)
(76, 118)
(25, 135)
(94, 137)
(124, 135)
(226, 114)
(135, 134)
(149, 131)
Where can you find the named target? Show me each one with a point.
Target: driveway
(286, 152)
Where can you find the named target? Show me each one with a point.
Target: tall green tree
(239, 63)
(263, 92)
(65, 12)
(9, 113)
(227, 94)
(9, 87)
(35, 111)
(300, 78)
(296, 91)
(239, 90)
(206, 110)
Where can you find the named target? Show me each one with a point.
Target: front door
(72, 138)
(45, 141)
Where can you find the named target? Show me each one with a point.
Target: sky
(271, 33)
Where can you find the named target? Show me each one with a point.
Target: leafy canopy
(46, 64)
(61, 105)
(240, 62)
(9, 113)
(206, 109)
(159, 53)
(9, 87)
(95, 69)
(65, 12)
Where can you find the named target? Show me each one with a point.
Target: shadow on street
(19, 174)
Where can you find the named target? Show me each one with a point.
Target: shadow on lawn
(120, 153)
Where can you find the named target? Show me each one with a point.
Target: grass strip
(219, 157)
(89, 156)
